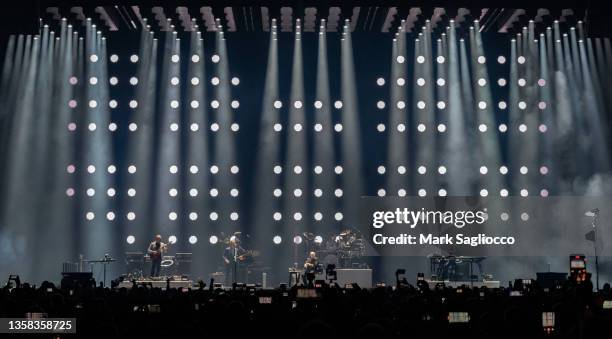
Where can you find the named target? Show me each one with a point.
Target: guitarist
(156, 249)
(232, 257)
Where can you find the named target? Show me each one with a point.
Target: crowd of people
(404, 311)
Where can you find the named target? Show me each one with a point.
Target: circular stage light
(277, 239)
(111, 192)
(213, 239)
(130, 239)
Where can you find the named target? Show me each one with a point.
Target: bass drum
(168, 266)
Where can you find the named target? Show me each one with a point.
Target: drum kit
(344, 250)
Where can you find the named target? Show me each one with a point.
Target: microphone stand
(594, 224)
(235, 265)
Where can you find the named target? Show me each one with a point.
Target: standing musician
(232, 256)
(156, 249)
(310, 267)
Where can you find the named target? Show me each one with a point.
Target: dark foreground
(383, 312)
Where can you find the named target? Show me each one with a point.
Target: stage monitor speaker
(550, 279)
(77, 279)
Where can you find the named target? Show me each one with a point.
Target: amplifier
(361, 277)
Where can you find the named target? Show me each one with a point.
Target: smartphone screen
(265, 300)
(548, 319)
(458, 317)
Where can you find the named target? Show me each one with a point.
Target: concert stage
(206, 168)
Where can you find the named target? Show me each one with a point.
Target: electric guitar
(157, 254)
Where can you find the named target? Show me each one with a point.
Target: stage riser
(156, 284)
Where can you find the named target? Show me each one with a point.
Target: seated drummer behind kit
(232, 256)
(156, 249)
